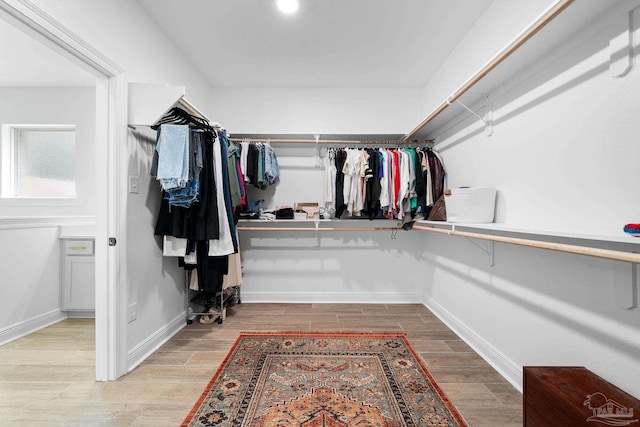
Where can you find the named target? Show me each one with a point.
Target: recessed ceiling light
(287, 6)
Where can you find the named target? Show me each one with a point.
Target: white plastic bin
(470, 205)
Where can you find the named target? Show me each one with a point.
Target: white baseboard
(332, 298)
(505, 366)
(81, 314)
(146, 348)
(26, 327)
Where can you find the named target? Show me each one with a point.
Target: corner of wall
(501, 363)
(28, 326)
(149, 345)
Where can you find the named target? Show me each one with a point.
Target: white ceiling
(326, 43)
(28, 62)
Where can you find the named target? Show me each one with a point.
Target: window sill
(7, 223)
(41, 201)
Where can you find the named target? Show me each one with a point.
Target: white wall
(317, 110)
(30, 272)
(55, 105)
(331, 267)
(155, 283)
(124, 33)
(497, 27)
(562, 156)
(30, 295)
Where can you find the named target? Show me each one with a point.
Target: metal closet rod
(241, 228)
(497, 60)
(560, 247)
(329, 141)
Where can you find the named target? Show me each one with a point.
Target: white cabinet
(78, 275)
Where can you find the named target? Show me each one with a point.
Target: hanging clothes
(391, 183)
(420, 186)
(372, 185)
(226, 243)
(437, 171)
(261, 168)
(385, 171)
(195, 216)
(350, 170)
(235, 178)
(199, 221)
(244, 154)
(330, 181)
(341, 206)
(173, 146)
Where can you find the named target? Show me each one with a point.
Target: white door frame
(111, 119)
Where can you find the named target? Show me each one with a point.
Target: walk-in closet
(176, 176)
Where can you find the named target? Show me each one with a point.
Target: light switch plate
(132, 313)
(133, 184)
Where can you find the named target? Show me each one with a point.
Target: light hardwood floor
(47, 378)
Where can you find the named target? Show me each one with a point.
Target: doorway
(51, 60)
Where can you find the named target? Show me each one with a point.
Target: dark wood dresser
(574, 396)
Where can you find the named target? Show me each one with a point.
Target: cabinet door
(79, 283)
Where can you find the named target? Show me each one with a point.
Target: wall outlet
(132, 312)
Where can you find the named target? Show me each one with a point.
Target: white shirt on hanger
(224, 244)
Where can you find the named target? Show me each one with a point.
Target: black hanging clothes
(421, 190)
(210, 269)
(341, 206)
(373, 187)
(252, 164)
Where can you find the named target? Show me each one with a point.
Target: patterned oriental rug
(323, 380)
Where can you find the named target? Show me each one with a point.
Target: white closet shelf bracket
(486, 119)
(488, 250)
(318, 160)
(623, 45)
(624, 284)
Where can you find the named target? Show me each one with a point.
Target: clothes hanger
(181, 117)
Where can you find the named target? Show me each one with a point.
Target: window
(38, 161)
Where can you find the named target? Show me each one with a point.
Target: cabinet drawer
(78, 247)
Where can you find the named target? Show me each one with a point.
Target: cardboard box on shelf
(312, 209)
